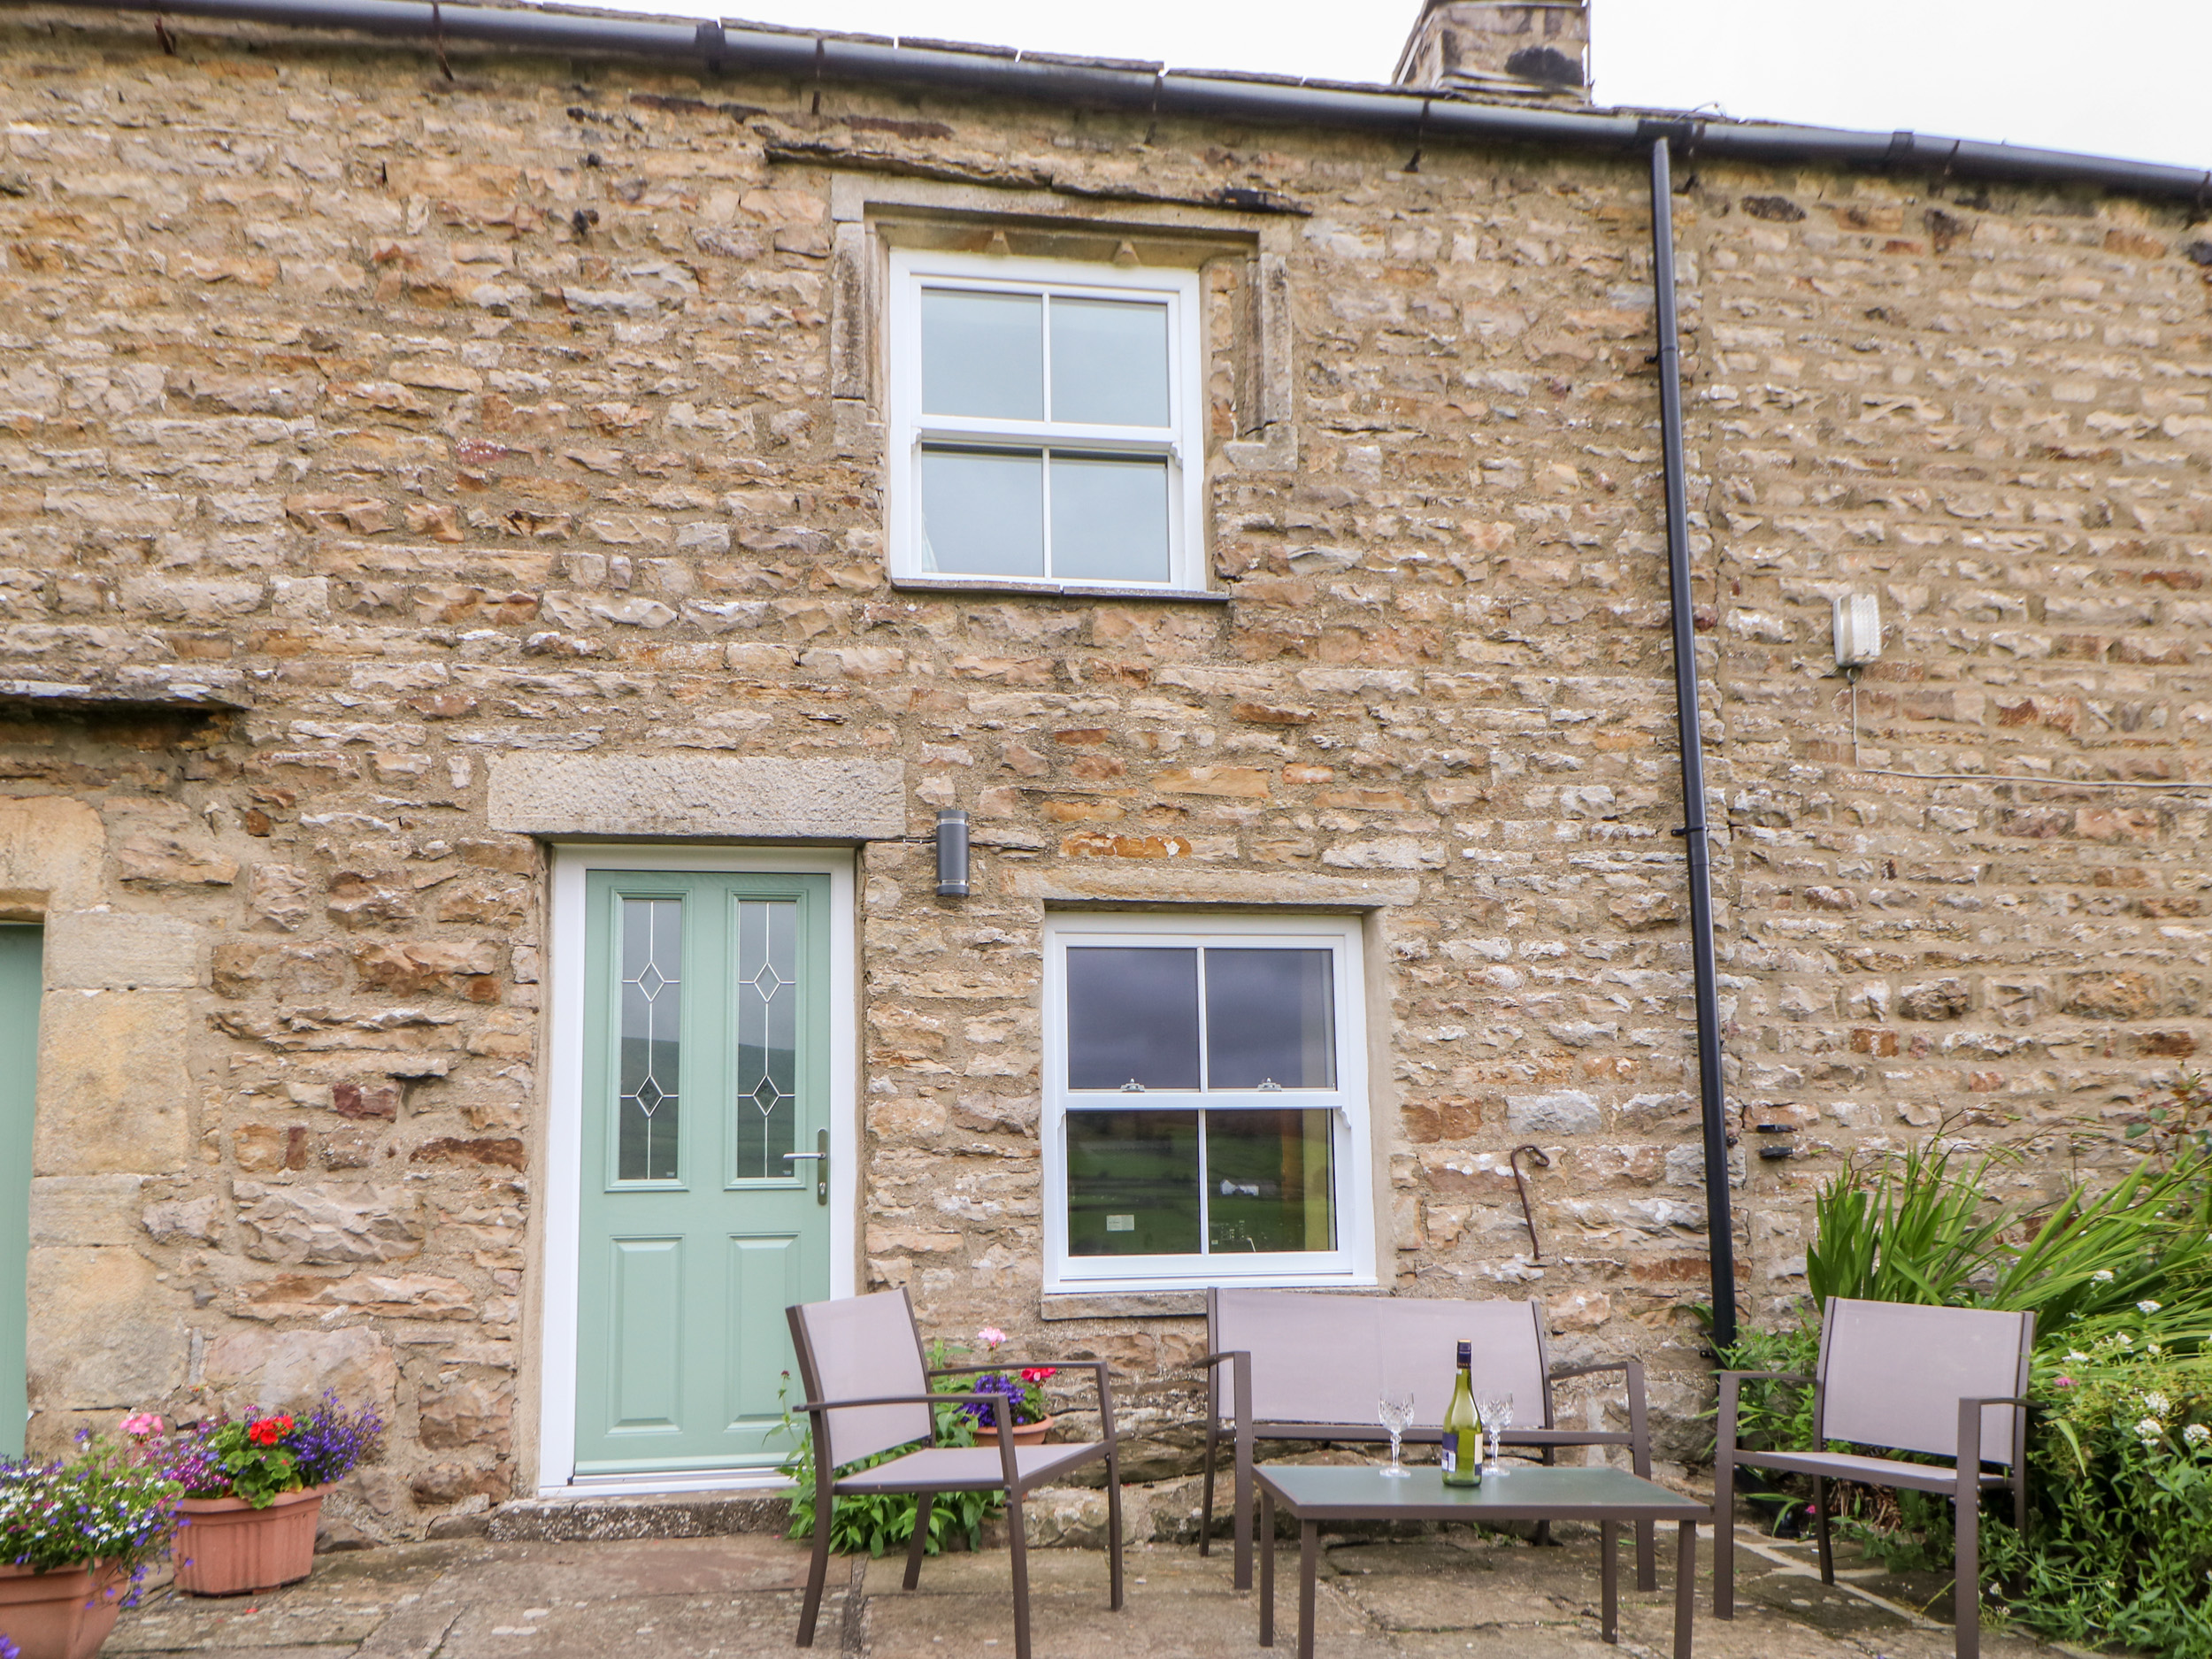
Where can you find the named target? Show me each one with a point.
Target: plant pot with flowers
(1024, 1395)
(254, 1490)
(77, 1536)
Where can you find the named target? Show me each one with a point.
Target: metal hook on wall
(1542, 1160)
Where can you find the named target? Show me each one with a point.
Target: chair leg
(1206, 1503)
(922, 1503)
(817, 1571)
(1725, 1533)
(1018, 1546)
(1966, 1593)
(1820, 1526)
(1113, 1529)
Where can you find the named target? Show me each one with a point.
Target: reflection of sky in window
(1133, 1013)
(1269, 1017)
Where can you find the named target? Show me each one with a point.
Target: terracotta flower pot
(64, 1614)
(228, 1548)
(1025, 1433)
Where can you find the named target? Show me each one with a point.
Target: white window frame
(1182, 442)
(1352, 1262)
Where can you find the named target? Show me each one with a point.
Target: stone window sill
(1062, 590)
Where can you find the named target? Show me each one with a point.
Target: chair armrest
(1211, 1360)
(1968, 1452)
(1096, 1367)
(2001, 1399)
(1009, 1364)
(896, 1399)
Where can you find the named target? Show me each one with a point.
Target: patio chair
(861, 1362)
(1311, 1366)
(1946, 1382)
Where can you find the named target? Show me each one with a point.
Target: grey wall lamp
(952, 853)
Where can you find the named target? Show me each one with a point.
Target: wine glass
(1395, 1412)
(1497, 1418)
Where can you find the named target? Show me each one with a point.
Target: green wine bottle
(1462, 1435)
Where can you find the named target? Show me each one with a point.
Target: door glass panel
(1270, 1018)
(1132, 1017)
(1109, 519)
(767, 996)
(652, 1039)
(1133, 1182)
(1268, 1182)
(983, 353)
(1109, 363)
(983, 513)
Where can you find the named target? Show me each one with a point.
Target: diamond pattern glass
(648, 1106)
(767, 1020)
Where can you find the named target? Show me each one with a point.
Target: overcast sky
(2030, 71)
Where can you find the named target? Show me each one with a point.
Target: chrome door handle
(819, 1158)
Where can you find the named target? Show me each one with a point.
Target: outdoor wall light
(952, 853)
(1858, 628)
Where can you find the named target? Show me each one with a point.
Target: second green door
(705, 1175)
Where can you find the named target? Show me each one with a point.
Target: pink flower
(141, 1426)
(1038, 1373)
(990, 1336)
(2062, 1382)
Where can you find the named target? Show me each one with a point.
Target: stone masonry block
(698, 795)
(108, 950)
(113, 1087)
(106, 1335)
(1566, 1112)
(50, 852)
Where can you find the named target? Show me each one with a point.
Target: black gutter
(1720, 1235)
(711, 49)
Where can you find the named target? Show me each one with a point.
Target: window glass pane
(1109, 519)
(1132, 1014)
(1132, 1183)
(983, 513)
(1109, 363)
(983, 353)
(767, 997)
(651, 1039)
(1268, 1182)
(1269, 1018)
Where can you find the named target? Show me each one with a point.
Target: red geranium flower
(1038, 1373)
(269, 1430)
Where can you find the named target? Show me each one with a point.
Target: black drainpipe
(1720, 1235)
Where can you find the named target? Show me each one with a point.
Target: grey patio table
(1315, 1492)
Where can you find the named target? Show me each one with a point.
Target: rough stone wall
(435, 419)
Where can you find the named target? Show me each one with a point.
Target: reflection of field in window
(1132, 1183)
(1268, 1181)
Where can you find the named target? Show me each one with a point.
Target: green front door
(20, 951)
(705, 1207)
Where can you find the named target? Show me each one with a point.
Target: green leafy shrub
(876, 1522)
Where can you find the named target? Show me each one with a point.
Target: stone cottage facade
(489, 535)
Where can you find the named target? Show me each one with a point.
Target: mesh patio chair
(862, 1364)
(1307, 1366)
(1947, 1382)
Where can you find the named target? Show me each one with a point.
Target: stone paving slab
(1452, 1594)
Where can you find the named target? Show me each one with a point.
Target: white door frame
(563, 1166)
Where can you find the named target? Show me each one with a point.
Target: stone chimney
(1522, 50)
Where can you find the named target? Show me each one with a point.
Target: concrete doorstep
(1455, 1593)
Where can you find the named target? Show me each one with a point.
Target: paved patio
(1455, 1596)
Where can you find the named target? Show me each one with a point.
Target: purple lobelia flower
(330, 1442)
